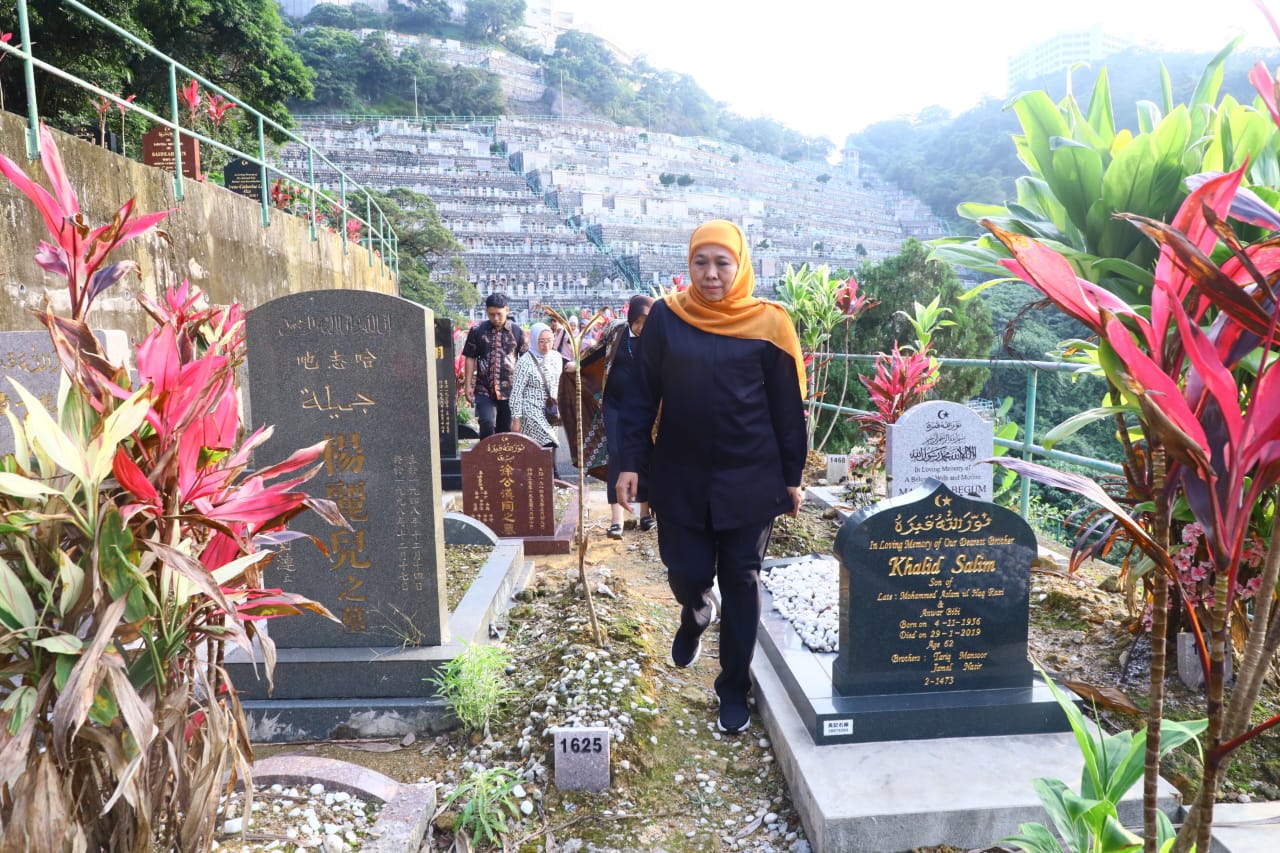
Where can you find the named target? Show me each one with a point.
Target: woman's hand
(515, 424)
(797, 498)
(628, 485)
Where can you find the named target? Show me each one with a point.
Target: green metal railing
(1027, 428)
(353, 202)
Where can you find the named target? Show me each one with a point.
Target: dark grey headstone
(243, 177)
(447, 401)
(462, 529)
(934, 593)
(94, 134)
(355, 369)
(29, 359)
(942, 441)
(582, 758)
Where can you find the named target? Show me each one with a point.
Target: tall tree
(491, 19)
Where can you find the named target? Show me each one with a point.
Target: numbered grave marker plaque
(581, 758)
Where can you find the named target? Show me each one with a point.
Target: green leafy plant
(475, 684)
(1087, 820)
(487, 801)
(818, 303)
(131, 551)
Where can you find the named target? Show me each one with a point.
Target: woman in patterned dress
(537, 377)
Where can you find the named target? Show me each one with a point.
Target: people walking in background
(727, 371)
(537, 379)
(491, 351)
(619, 348)
(560, 339)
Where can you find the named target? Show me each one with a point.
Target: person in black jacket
(491, 350)
(727, 371)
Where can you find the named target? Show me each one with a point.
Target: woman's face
(712, 270)
(637, 324)
(544, 342)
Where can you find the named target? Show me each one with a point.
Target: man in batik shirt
(491, 351)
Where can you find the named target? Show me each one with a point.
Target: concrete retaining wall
(216, 239)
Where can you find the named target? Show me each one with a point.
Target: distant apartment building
(1061, 52)
(300, 8)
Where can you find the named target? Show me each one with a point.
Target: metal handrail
(1026, 445)
(386, 238)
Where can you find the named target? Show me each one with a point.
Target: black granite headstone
(933, 628)
(933, 596)
(94, 134)
(355, 369)
(447, 401)
(243, 177)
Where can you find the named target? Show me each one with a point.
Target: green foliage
(493, 19)
(475, 684)
(910, 277)
(1088, 821)
(432, 272)
(487, 801)
(240, 45)
(666, 179)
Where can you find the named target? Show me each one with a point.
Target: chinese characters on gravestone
(157, 150)
(507, 484)
(29, 358)
(333, 367)
(933, 596)
(943, 441)
(447, 401)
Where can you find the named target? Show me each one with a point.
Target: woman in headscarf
(536, 380)
(727, 371)
(619, 350)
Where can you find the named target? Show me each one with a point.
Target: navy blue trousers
(695, 558)
(493, 415)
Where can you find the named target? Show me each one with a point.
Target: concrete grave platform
(897, 795)
(375, 692)
(406, 813)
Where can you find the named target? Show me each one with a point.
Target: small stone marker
(934, 596)
(581, 758)
(462, 529)
(507, 484)
(29, 358)
(93, 133)
(157, 150)
(942, 441)
(243, 177)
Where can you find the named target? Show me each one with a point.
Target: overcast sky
(831, 67)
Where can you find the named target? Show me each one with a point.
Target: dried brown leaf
(1112, 698)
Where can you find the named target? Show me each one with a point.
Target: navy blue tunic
(731, 438)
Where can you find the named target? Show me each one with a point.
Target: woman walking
(535, 383)
(727, 371)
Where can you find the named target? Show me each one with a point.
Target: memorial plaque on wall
(243, 177)
(157, 150)
(934, 596)
(507, 484)
(335, 367)
(942, 441)
(103, 139)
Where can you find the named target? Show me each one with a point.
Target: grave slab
(462, 529)
(888, 796)
(447, 402)
(943, 441)
(507, 483)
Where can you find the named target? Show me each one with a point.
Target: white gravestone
(582, 758)
(942, 440)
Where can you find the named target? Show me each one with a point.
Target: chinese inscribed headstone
(934, 596)
(942, 441)
(507, 484)
(30, 360)
(447, 401)
(356, 370)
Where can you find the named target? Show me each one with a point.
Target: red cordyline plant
(902, 379)
(217, 108)
(1196, 393)
(192, 98)
(133, 542)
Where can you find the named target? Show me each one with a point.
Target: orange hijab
(739, 314)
